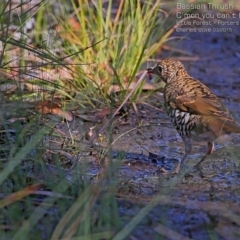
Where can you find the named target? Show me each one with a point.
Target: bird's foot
(194, 170)
(166, 172)
(197, 167)
(163, 171)
(185, 170)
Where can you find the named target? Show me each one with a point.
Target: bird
(196, 112)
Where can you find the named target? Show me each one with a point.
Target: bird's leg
(188, 149)
(209, 151)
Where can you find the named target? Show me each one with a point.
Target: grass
(48, 186)
(100, 50)
(41, 196)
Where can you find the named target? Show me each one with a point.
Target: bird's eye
(160, 68)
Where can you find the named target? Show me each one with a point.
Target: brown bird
(195, 111)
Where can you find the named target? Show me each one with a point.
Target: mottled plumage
(194, 110)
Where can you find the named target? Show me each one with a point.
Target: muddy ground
(196, 205)
(213, 58)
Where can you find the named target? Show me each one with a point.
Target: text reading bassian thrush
(191, 6)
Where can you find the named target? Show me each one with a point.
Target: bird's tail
(222, 126)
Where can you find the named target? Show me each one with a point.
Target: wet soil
(198, 205)
(192, 204)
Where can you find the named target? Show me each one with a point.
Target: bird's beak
(154, 70)
(150, 70)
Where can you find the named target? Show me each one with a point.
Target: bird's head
(167, 69)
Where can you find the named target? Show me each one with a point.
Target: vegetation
(88, 58)
(62, 85)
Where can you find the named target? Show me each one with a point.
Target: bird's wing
(213, 110)
(200, 105)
